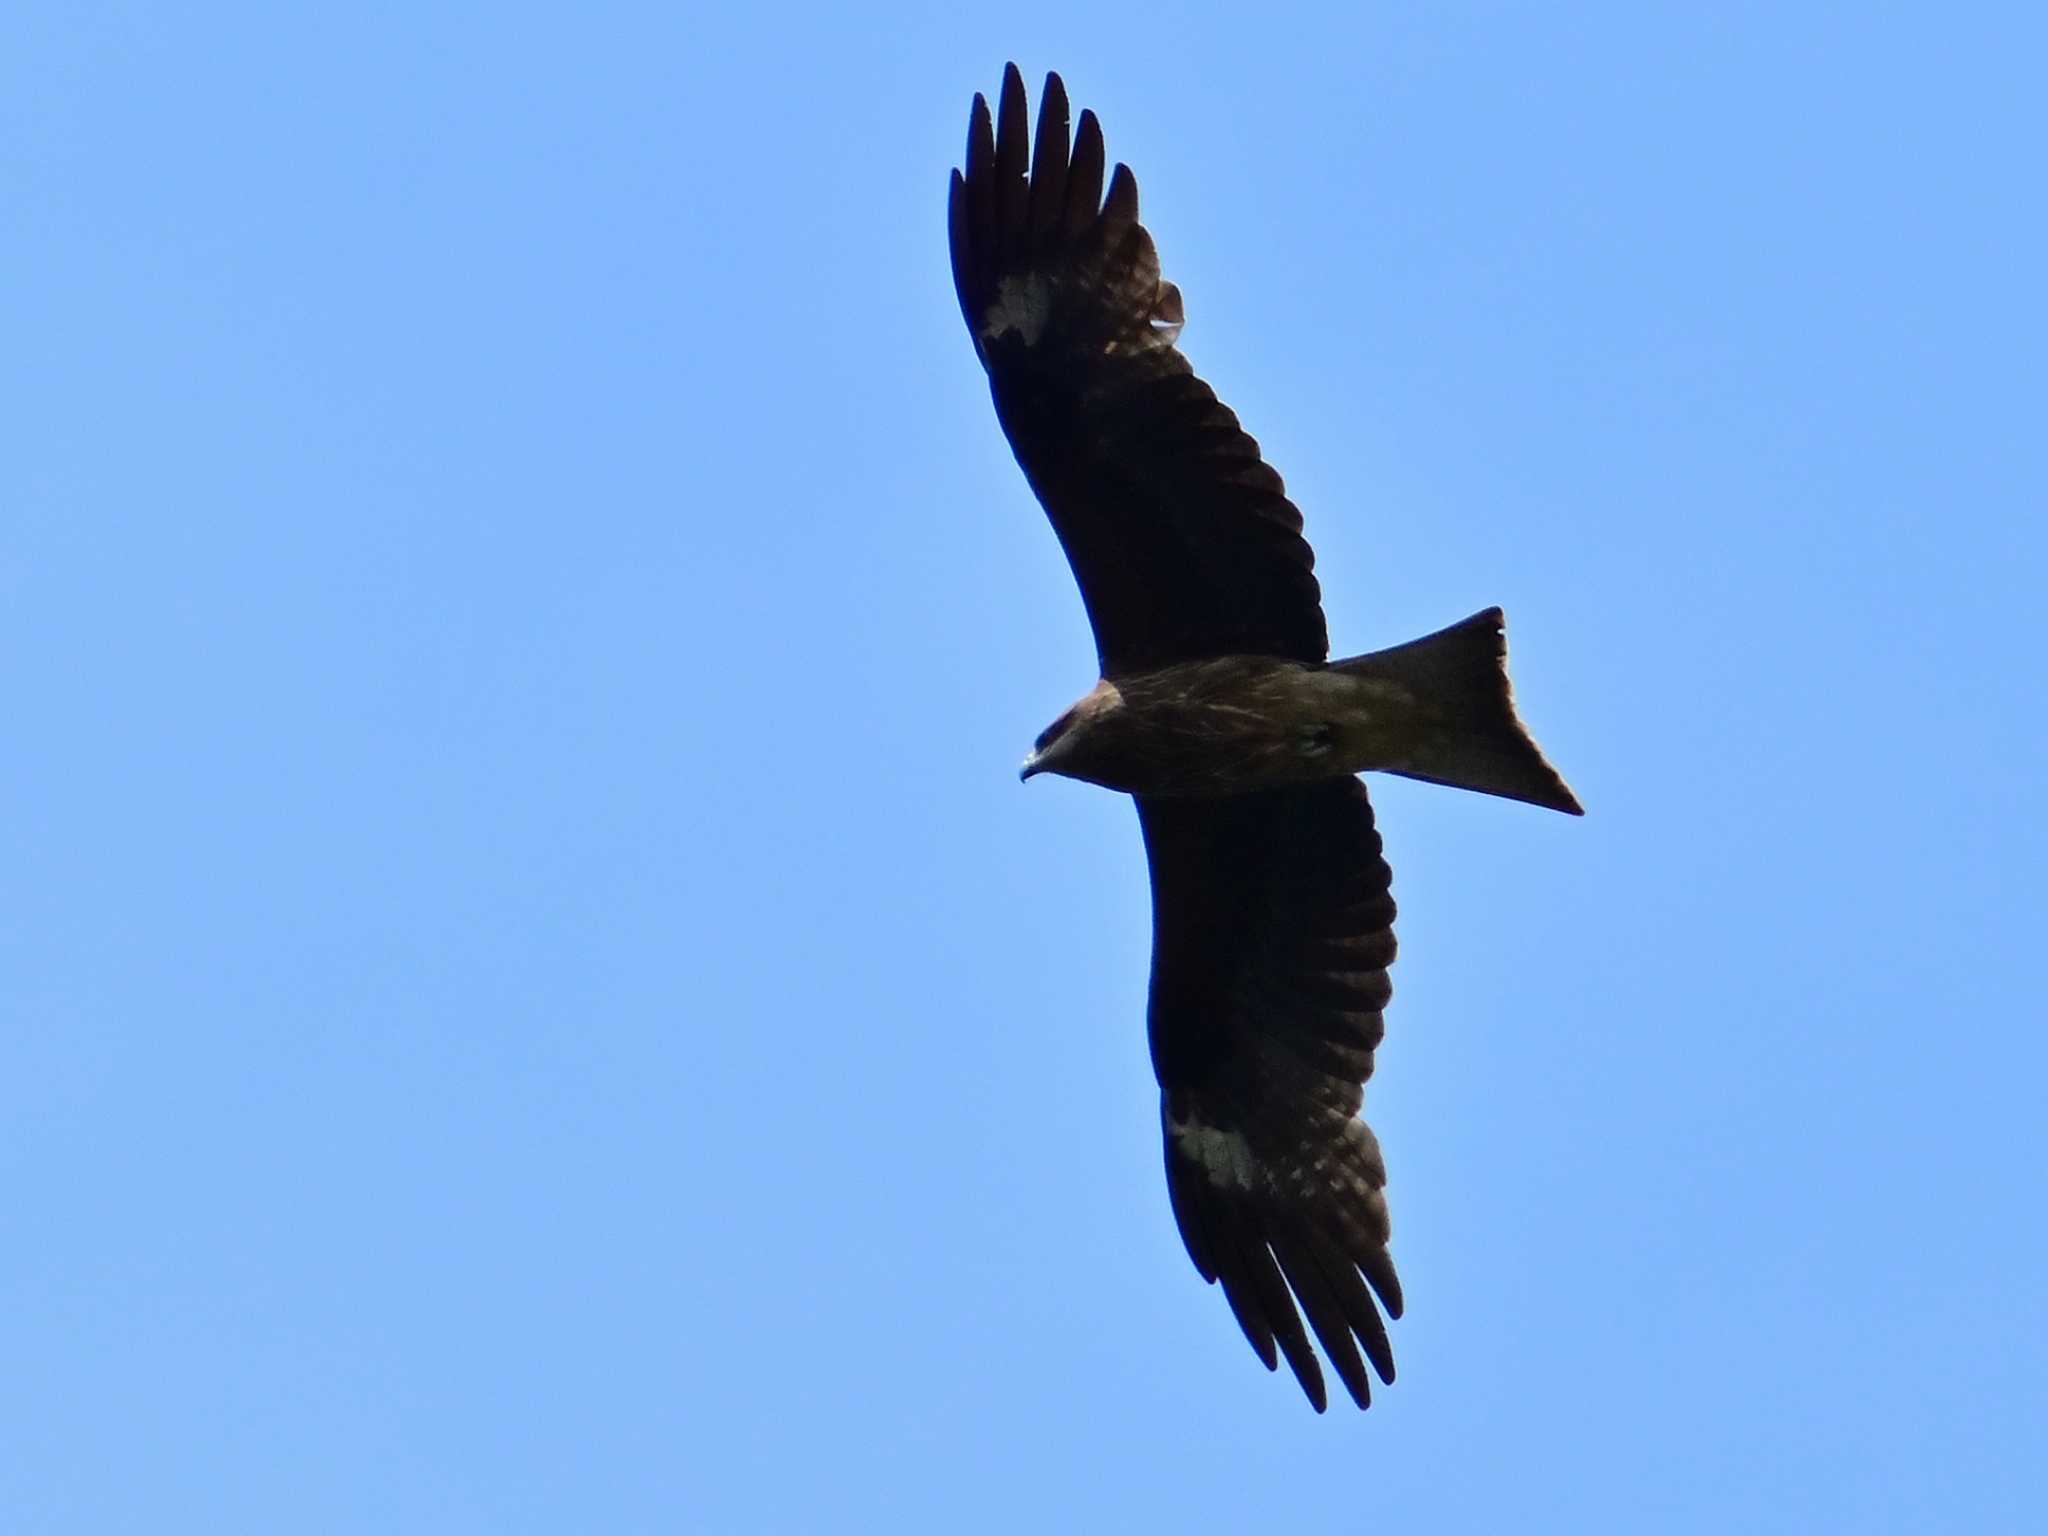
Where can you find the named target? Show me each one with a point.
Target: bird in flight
(1220, 713)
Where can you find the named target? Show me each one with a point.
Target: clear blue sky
(531, 998)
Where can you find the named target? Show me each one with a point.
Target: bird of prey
(1220, 714)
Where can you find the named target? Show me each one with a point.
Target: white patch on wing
(1023, 304)
(1224, 1156)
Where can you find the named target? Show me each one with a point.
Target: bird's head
(1065, 746)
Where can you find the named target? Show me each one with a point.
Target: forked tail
(1473, 739)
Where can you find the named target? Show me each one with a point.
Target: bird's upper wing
(1272, 933)
(1182, 539)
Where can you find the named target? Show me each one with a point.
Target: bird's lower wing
(1273, 930)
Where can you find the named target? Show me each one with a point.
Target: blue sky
(531, 998)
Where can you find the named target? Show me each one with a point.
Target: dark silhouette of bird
(1219, 712)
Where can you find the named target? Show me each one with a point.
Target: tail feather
(1474, 739)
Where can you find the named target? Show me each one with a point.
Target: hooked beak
(1045, 759)
(1046, 756)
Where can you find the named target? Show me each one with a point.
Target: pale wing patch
(1023, 304)
(1225, 1157)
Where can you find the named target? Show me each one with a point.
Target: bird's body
(1239, 741)
(1228, 725)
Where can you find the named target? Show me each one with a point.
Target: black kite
(1220, 713)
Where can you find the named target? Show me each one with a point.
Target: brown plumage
(1217, 711)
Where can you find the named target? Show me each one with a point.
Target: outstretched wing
(1182, 539)
(1272, 933)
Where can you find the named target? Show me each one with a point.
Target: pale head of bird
(1071, 743)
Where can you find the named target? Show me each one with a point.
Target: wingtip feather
(981, 137)
(1049, 163)
(1120, 205)
(1084, 174)
(1013, 154)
